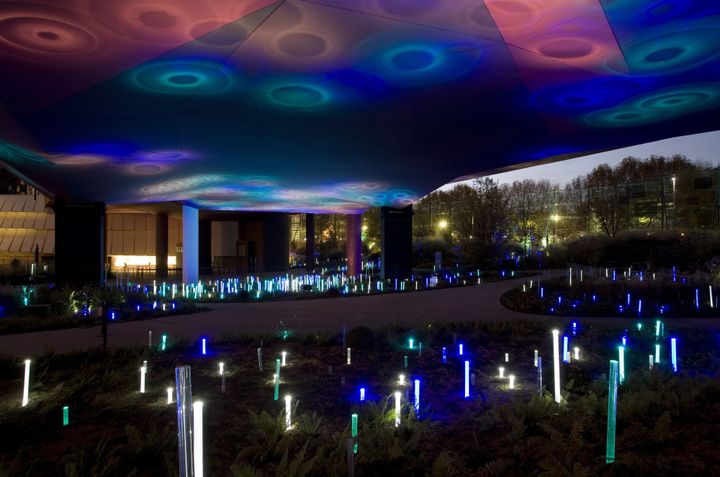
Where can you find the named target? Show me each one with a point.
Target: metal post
(183, 387)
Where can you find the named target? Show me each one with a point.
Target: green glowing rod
(277, 378)
(355, 432)
(66, 415)
(612, 412)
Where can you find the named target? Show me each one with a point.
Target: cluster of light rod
(397, 408)
(354, 431)
(467, 379)
(535, 358)
(169, 395)
(612, 412)
(416, 396)
(621, 363)
(349, 356)
(288, 412)
(276, 395)
(65, 415)
(198, 464)
(143, 371)
(556, 364)
(284, 358)
(26, 384)
(673, 354)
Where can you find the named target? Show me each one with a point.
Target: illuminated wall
(336, 105)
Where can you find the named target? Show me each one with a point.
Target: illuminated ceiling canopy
(337, 105)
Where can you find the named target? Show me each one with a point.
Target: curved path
(470, 303)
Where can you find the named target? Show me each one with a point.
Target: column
(190, 240)
(353, 244)
(205, 246)
(309, 242)
(276, 242)
(79, 243)
(161, 245)
(396, 254)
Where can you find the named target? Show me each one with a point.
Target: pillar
(190, 257)
(161, 245)
(353, 244)
(276, 242)
(205, 246)
(79, 243)
(396, 254)
(309, 242)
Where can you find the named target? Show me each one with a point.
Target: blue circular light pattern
(658, 106)
(183, 77)
(299, 96)
(676, 51)
(588, 96)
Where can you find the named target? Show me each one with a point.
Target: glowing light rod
(354, 430)
(673, 354)
(621, 363)
(612, 412)
(467, 379)
(277, 379)
(417, 398)
(288, 412)
(26, 384)
(397, 408)
(198, 464)
(556, 364)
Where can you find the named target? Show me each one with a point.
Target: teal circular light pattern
(673, 52)
(658, 106)
(299, 96)
(183, 77)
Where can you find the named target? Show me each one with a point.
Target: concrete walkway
(471, 303)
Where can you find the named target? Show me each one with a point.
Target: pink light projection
(46, 43)
(570, 32)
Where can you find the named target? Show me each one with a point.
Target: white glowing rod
(284, 358)
(650, 361)
(712, 303)
(397, 408)
(143, 371)
(401, 380)
(467, 379)
(197, 430)
(512, 381)
(460, 349)
(349, 356)
(501, 372)
(221, 367)
(26, 384)
(566, 354)
(621, 362)
(673, 354)
(535, 359)
(657, 354)
(577, 353)
(417, 397)
(169, 395)
(556, 364)
(288, 412)
(507, 357)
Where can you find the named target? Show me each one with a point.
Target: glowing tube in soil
(405, 361)
(349, 356)
(143, 370)
(577, 353)
(467, 379)
(566, 353)
(657, 354)
(26, 384)
(650, 361)
(284, 358)
(411, 343)
(362, 394)
(460, 349)
(673, 354)
(621, 363)
(535, 358)
(204, 346)
(511, 385)
(556, 364)
(397, 408)
(612, 412)
(501, 372)
(354, 431)
(444, 354)
(401, 380)
(416, 396)
(183, 386)
(198, 464)
(169, 395)
(507, 357)
(277, 379)
(221, 368)
(288, 412)
(163, 343)
(66, 415)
